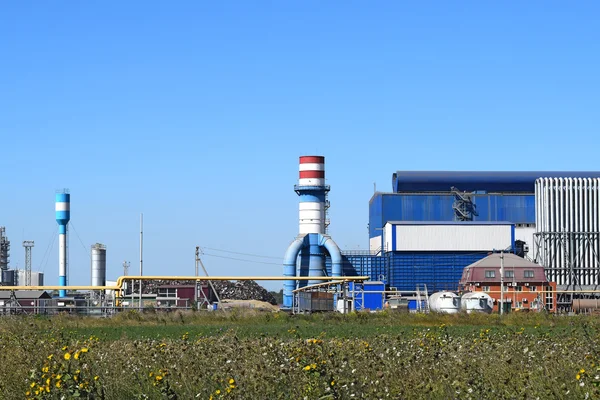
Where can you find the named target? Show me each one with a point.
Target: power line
(80, 241)
(242, 254)
(48, 249)
(241, 259)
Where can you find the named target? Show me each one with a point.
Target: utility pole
(28, 244)
(199, 261)
(141, 255)
(501, 282)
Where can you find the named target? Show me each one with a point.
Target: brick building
(525, 284)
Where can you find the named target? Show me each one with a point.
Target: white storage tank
(444, 302)
(476, 302)
(98, 270)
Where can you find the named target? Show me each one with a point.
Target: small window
(518, 288)
(485, 288)
(533, 288)
(509, 274)
(528, 273)
(490, 274)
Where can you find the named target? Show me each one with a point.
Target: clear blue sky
(195, 113)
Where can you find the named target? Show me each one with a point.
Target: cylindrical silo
(476, 302)
(444, 302)
(98, 272)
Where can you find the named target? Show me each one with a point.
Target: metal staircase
(463, 206)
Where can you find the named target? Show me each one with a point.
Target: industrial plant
(439, 241)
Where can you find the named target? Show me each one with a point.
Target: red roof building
(525, 283)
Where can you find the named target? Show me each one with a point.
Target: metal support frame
(28, 244)
(572, 260)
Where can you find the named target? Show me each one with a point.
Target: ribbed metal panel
(385, 207)
(98, 272)
(567, 230)
(362, 265)
(438, 270)
(496, 181)
(459, 236)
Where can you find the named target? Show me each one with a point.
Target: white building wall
(449, 237)
(525, 234)
(375, 243)
(37, 278)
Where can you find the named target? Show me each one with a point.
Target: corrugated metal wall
(449, 237)
(406, 270)
(438, 270)
(385, 207)
(568, 225)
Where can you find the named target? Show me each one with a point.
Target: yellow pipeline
(237, 278)
(121, 279)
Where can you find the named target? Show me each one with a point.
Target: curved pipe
(335, 253)
(289, 269)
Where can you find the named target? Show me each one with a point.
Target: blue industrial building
(442, 196)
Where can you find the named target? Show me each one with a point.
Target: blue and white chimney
(63, 215)
(311, 243)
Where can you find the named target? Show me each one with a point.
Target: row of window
(528, 273)
(516, 288)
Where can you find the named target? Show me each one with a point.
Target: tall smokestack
(63, 215)
(312, 189)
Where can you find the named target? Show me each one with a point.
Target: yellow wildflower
(50, 356)
(27, 393)
(84, 350)
(582, 371)
(67, 356)
(231, 381)
(578, 377)
(150, 374)
(158, 378)
(64, 348)
(332, 383)
(58, 384)
(96, 378)
(307, 368)
(32, 384)
(218, 391)
(48, 381)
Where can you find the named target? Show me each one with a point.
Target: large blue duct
(311, 244)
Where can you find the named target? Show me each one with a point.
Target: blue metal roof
(471, 181)
(450, 223)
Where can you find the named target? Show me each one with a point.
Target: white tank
(476, 302)
(444, 302)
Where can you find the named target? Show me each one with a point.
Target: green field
(246, 355)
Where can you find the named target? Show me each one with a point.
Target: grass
(249, 355)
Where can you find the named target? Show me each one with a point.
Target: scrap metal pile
(241, 290)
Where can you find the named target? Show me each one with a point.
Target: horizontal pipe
(55, 287)
(317, 285)
(121, 279)
(235, 278)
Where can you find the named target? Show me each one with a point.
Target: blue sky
(195, 113)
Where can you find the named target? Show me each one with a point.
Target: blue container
(412, 305)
